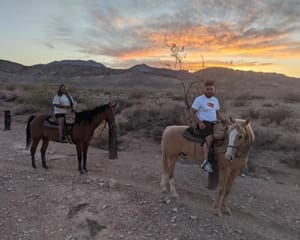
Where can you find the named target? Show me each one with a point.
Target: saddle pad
(192, 135)
(51, 122)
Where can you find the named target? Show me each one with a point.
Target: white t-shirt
(61, 100)
(206, 108)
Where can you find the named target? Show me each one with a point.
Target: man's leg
(60, 127)
(206, 165)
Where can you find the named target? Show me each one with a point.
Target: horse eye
(240, 137)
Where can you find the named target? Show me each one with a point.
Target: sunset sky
(258, 35)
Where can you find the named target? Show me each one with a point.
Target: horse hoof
(175, 196)
(163, 190)
(217, 212)
(45, 167)
(227, 211)
(34, 166)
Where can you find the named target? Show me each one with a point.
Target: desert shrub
(239, 102)
(265, 138)
(268, 104)
(151, 120)
(123, 104)
(252, 114)
(292, 98)
(8, 96)
(249, 96)
(137, 95)
(277, 115)
(39, 96)
(292, 159)
(287, 142)
(177, 97)
(25, 109)
(10, 87)
(291, 125)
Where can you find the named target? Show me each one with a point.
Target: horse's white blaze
(232, 136)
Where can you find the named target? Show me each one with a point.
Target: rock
(193, 217)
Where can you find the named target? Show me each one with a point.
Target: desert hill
(91, 73)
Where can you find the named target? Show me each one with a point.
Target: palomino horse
(232, 144)
(81, 134)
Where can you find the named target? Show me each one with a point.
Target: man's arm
(61, 106)
(196, 120)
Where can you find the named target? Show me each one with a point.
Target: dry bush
(39, 96)
(265, 138)
(137, 95)
(277, 115)
(252, 114)
(8, 96)
(11, 87)
(287, 142)
(268, 104)
(22, 109)
(151, 119)
(249, 96)
(123, 104)
(292, 98)
(239, 102)
(291, 125)
(292, 159)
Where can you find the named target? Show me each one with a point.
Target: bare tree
(178, 53)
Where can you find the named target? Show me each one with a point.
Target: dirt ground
(121, 199)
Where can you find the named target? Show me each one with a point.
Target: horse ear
(114, 104)
(247, 122)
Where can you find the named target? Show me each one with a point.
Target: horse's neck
(96, 121)
(223, 146)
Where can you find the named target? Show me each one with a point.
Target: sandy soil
(121, 199)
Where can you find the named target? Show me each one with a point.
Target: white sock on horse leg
(173, 188)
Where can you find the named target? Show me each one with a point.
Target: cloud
(126, 30)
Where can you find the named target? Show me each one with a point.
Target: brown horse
(232, 144)
(81, 134)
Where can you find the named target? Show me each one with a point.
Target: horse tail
(28, 132)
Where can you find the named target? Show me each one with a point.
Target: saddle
(51, 122)
(194, 135)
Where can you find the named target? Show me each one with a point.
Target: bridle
(238, 153)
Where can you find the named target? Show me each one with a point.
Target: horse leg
(43, 152)
(171, 179)
(85, 150)
(223, 178)
(79, 157)
(168, 175)
(164, 183)
(231, 178)
(33, 147)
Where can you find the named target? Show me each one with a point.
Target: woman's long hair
(59, 92)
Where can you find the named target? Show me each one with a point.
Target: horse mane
(89, 115)
(249, 130)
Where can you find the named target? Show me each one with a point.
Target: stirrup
(206, 166)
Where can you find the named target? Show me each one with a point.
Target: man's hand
(201, 125)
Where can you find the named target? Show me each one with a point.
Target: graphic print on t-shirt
(210, 104)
